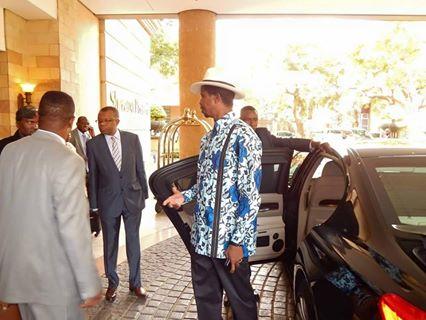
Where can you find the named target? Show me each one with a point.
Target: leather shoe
(111, 294)
(140, 292)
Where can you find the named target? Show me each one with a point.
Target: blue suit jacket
(110, 190)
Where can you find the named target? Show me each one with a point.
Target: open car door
(275, 175)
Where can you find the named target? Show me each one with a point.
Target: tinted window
(270, 176)
(405, 186)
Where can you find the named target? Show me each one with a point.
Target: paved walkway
(166, 275)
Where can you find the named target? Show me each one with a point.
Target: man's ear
(71, 121)
(217, 98)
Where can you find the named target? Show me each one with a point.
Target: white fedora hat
(216, 77)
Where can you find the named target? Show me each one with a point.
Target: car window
(405, 186)
(185, 183)
(318, 172)
(296, 162)
(270, 176)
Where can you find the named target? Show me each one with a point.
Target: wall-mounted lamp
(28, 89)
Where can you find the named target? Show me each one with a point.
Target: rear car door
(275, 175)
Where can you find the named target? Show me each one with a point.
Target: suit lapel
(78, 141)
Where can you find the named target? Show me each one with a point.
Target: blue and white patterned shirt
(235, 218)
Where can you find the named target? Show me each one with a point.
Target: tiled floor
(166, 275)
(154, 229)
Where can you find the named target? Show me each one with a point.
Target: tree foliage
(383, 74)
(164, 55)
(388, 71)
(313, 82)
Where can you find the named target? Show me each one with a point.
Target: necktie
(115, 152)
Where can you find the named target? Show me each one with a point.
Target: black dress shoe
(140, 292)
(111, 294)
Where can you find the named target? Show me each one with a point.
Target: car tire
(304, 300)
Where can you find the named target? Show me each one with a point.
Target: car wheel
(304, 301)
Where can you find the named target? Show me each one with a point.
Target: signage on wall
(127, 105)
(133, 108)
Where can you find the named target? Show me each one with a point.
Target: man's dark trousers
(210, 276)
(111, 232)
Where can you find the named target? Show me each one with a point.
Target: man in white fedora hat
(227, 202)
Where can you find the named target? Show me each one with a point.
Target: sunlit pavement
(166, 275)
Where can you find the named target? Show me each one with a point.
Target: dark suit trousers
(210, 276)
(111, 231)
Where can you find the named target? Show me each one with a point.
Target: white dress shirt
(109, 142)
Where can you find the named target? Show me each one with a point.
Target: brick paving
(166, 274)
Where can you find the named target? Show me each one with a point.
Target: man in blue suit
(117, 188)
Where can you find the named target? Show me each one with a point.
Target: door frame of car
(162, 179)
(291, 208)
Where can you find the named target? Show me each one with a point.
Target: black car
(358, 217)
(356, 227)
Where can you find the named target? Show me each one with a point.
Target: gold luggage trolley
(169, 136)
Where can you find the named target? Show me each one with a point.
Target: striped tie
(115, 152)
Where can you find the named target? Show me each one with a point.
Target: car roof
(385, 150)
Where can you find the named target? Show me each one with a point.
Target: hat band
(222, 82)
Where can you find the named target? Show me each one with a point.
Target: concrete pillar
(197, 36)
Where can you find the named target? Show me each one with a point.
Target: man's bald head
(56, 105)
(56, 113)
(249, 115)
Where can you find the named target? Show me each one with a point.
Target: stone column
(197, 35)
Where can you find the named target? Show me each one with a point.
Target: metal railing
(169, 136)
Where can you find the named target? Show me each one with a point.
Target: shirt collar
(225, 121)
(58, 137)
(116, 135)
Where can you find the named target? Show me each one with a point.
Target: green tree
(312, 82)
(164, 55)
(390, 73)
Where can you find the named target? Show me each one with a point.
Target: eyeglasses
(105, 121)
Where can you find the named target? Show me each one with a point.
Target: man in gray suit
(46, 262)
(80, 136)
(117, 188)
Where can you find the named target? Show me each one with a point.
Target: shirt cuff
(186, 196)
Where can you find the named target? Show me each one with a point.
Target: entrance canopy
(332, 7)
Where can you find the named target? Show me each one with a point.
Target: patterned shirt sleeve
(190, 194)
(249, 152)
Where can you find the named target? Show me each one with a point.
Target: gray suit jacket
(76, 142)
(110, 190)
(45, 242)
